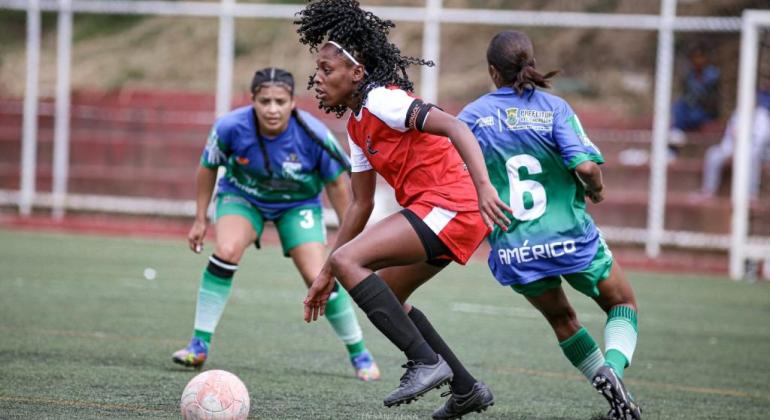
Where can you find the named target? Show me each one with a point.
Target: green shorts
(585, 281)
(296, 226)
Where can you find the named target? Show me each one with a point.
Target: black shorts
(438, 253)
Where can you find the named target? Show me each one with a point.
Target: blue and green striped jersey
(531, 144)
(299, 165)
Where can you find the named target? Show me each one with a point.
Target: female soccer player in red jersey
(449, 202)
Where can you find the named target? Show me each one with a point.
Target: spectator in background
(699, 100)
(719, 154)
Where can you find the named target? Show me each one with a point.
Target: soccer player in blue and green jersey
(542, 162)
(277, 161)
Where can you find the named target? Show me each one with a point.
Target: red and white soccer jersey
(419, 166)
(424, 169)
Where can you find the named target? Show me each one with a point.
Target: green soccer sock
(581, 349)
(214, 291)
(620, 336)
(342, 317)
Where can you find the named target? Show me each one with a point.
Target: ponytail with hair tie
(511, 54)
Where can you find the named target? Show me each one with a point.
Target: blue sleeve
(469, 116)
(466, 116)
(573, 142)
(332, 159)
(217, 146)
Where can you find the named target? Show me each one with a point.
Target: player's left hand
(492, 208)
(318, 295)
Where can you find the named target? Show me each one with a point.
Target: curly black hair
(362, 34)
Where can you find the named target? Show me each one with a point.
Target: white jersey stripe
(358, 160)
(438, 218)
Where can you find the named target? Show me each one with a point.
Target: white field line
(504, 311)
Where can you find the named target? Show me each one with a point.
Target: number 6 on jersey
(527, 196)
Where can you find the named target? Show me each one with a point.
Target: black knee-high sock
(382, 307)
(463, 381)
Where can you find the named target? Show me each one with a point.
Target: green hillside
(600, 68)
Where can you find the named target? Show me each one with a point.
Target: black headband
(272, 75)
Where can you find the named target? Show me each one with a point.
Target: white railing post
(664, 69)
(747, 78)
(225, 53)
(29, 124)
(62, 118)
(431, 50)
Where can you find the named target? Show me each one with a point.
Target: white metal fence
(741, 247)
(432, 15)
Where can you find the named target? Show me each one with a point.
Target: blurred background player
(278, 159)
(441, 184)
(698, 102)
(541, 161)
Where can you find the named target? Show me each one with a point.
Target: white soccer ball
(215, 395)
(150, 273)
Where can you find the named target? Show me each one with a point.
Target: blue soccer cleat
(365, 366)
(194, 355)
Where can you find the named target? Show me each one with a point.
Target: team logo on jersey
(511, 117)
(369, 147)
(292, 167)
(242, 160)
(534, 116)
(485, 122)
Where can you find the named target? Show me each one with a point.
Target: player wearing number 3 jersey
(277, 160)
(542, 162)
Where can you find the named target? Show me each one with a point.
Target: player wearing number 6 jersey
(277, 161)
(541, 161)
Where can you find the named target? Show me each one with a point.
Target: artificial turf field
(83, 335)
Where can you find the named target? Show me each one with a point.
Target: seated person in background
(718, 154)
(699, 100)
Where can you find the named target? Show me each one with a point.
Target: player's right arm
(205, 178)
(213, 156)
(578, 152)
(353, 222)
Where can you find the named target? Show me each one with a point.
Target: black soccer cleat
(623, 406)
(478, 399)
(418, 379)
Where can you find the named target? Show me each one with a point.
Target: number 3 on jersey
(527, 196)
(308, 221)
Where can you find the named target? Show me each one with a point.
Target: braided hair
(364, 35)
(274, 75)
(331, 149)
(512, 55)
